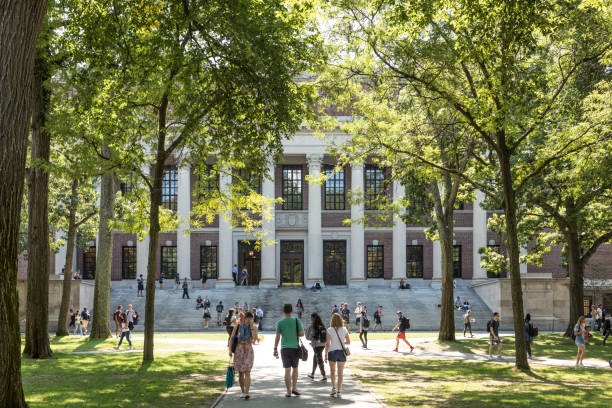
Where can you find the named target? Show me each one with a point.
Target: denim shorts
(336, 355)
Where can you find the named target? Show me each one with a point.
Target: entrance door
(334, 262)
(250, 258)
(292, 263)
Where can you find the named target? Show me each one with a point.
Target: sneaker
(581, 365)
(338, 395)
(577, 365)
(333, 393)
(310, 376)
(499, 357)
(324, 379)
(411, 348)
(247, 396)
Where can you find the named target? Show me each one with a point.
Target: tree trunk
(37, 314)
(158, 172)
(62, 318)
(19, 25)
(576, 276)
(447, 312)
(100, 328)
(514, 259)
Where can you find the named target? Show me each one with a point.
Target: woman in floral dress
(243, 357)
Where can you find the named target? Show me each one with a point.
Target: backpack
(405, 324)
(322, 335)
(366, 322)
(219, 308)
(534, 332)
(489, 325)
(84, 315)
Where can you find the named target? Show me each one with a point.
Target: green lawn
(551, 345)
(117, 379)
(406, 381)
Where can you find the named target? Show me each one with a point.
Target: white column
(357, 275)
(479, 235)
(399, 237)
(225, 236)
(268, 225)
(437, 260)
(315, 243)
(183, 239)
(523, 266)
(60, 257)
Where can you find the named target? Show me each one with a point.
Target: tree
(19, 25)
(501, 67)
(198, 79)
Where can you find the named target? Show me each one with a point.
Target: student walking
(493, 329)
(247, 334)
(140, 282)
(78, 327)
(185, 288)
(528, 334)
(206, 317)
(378, 318)
(581, 334)
(244, 276)
(363, 324)
(402, 325)
(219, 309)
(125, 332)
(289, 329)
(336, 352)
(299, 308)
(85, 318)
(117, 319)
(467, 323)
(317, 335)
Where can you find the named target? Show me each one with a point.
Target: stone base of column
(225, 284)
(358, 283)
(268, 284)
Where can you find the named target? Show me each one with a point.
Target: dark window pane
(374, 186)
(334, 189)
(292, 187)
(89, 263)
(168, 262)
(208, 262)
(456, 261)
(414, 261)
(128, 262)
(170, 188)
(376, 261)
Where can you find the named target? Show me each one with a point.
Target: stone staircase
(419, 304)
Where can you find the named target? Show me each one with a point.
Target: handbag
(345, 350)
(229, 376)
(302, 350)
(234, 341)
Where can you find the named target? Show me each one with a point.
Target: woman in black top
(317, 333)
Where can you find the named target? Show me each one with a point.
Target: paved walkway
(268, 387)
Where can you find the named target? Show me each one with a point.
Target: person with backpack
(581, 334)
(117, 319)
(378, 318)
(364, 326)
(467, 323)
(346, 316)
(529, 334)
(85, 317)
(402, 325)
(493, 330)
(317, 335)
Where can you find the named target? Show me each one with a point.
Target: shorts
(290, 357)
(336, 355)
(492, 341)
(401, 335)
(345, 318)
(580, 341)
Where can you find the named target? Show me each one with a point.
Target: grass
(119, 380)
(550, 345)
(403, 382)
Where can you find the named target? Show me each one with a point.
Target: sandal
(294, 392)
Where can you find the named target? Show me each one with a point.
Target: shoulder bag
(234, 340)
(302, 350)
(345, 350)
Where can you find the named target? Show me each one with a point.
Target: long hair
(336, 321)
(316, 320)
(581, 319)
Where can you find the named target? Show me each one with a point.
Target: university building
(313, 241)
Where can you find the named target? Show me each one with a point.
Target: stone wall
(547, 300)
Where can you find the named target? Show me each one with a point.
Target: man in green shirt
(289, 329)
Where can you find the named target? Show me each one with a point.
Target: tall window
(374, 186)
(126, 187)
(89, 263)
(170, 188)
(414, 261)
(208, 181)
(334, 189)
(168, 261)
(587, 301)
(208, 262)
(376, 260)
(128, 262)
(292, 187)
(252, 180)
(456, 261)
